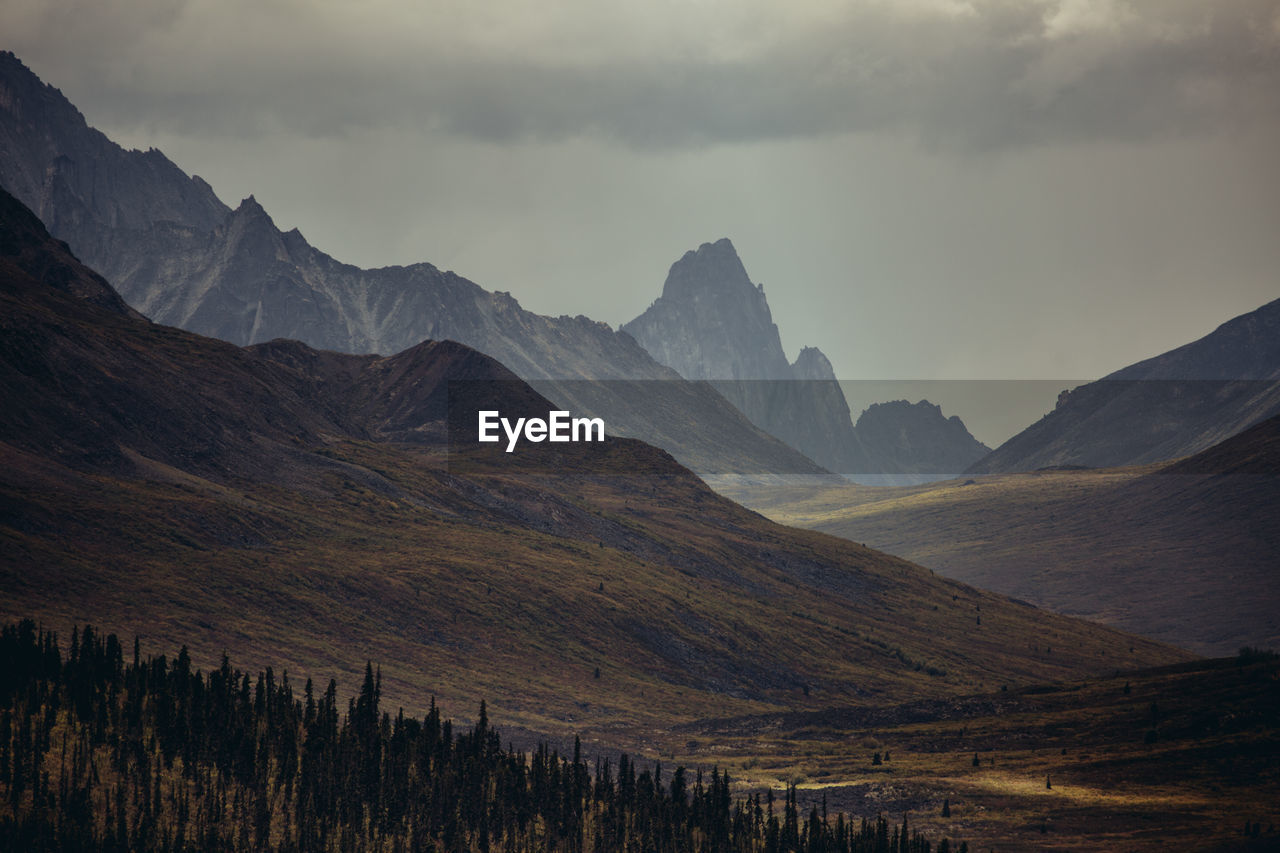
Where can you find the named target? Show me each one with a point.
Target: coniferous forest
(100, 750)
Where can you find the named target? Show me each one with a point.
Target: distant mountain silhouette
(917, 438)
(712, 323)
(1174, 404)
(285, 501)
(182, 258)
(1184, 551)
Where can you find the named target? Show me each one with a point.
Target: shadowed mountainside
(294, 506)
(712, 323)
(1172, 405)
(917, 439)
(1183, 551)
(182, 258)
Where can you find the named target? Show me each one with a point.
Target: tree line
(100, 753)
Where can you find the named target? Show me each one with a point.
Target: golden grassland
(611, 606)
(647, 614)
(1188, 558)
(1181, 755)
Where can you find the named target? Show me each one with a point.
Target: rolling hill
(301, 507)
(1183, 551)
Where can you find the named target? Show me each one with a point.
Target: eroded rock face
(918, 438)
(712, 323)
(183, 258)
(79, 182)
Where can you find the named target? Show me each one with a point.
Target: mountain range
(181, 257)
(159, 227)
(320, 512)
(712, 323)
(1167, 406)
(1182, 551)
(301, 505)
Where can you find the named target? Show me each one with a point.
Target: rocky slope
(712, 323)
(1177, 403)
(291, 505)
(183, 258)
(917, 439)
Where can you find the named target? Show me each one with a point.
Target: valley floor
(1182, 757)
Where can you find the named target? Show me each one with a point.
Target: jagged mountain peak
(250, 213)
(711, 322)
(922, 407)
(918, 438)
(813, 364)
(22, 91)
(78, 181)
(921, 413)
(713, 269)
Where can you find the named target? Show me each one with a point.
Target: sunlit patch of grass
(1071, 758)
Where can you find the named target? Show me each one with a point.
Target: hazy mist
(934, 190)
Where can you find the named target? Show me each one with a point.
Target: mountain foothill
(217, 438)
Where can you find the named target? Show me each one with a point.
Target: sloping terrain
(302, 508)
(1181, 757)
(712, 323)
(1184, 551)
(1169, 406)
(183, 258)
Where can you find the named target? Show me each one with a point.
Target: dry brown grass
(1185, 558)
(1211, 766)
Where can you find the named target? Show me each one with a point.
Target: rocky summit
(712, 323)
(917, 438)
(179, 255)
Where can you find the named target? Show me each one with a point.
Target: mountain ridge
(1171, 405)
(287, 503)
(711, 323)
(173, 250)
(1182, 551)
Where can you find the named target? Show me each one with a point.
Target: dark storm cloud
(968, 75)
(995, 78)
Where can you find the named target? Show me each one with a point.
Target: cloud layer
(978, 74)
(981, 189)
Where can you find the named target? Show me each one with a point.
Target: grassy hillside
(302, 511)
(299, 508)
(495, 586)
(1184, 552)
(1183, 757)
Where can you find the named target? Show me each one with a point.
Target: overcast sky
(928, 189)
